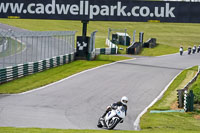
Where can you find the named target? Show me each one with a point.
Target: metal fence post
(26, 47)
(180, 96)
(48, 45)
(65, 45)
(134, 36)
(3, 56)
(41, 45)
(21, 42)
(125, 37)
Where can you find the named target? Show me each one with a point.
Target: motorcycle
(112, 118)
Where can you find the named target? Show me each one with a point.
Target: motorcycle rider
(194, 49)
(198, 49)
(181, 50)
(123, 102)
(189, 50)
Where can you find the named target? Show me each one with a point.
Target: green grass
(160, 49)
(170, 35)
(172, 121)
(40, 130)
(49, 76)
(123, 50)
(100, 42)
(110, 58)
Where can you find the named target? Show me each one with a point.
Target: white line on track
(136, 124)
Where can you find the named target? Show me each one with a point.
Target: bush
(196, 90)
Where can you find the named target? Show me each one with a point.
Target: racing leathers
(113, 106)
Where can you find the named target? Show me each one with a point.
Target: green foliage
(196, 90)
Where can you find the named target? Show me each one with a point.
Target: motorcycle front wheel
(99, 125)
(113, 123)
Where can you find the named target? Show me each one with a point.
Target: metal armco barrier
(111, 50)
(110, 44)
(11, 73)
(106, 51)
(186, 99)
(193, 80)
(180, 96)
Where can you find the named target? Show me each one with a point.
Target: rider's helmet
(124, 100)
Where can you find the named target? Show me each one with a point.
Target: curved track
(77, 102)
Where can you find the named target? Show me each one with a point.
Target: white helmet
(124, 100)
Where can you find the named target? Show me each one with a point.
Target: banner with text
(102, 10)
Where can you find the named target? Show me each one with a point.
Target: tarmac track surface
(78, 102)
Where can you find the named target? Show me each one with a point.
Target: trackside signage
(102, 10)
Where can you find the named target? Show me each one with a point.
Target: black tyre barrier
(21, 70)
(135, 48)
(151, 43)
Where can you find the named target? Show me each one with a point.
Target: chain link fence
(32, 46)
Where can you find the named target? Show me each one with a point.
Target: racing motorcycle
(112, 118)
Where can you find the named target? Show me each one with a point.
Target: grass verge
(52, 75)
(122, 49)
(160, 49)
(42, 130)
(172, 121)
